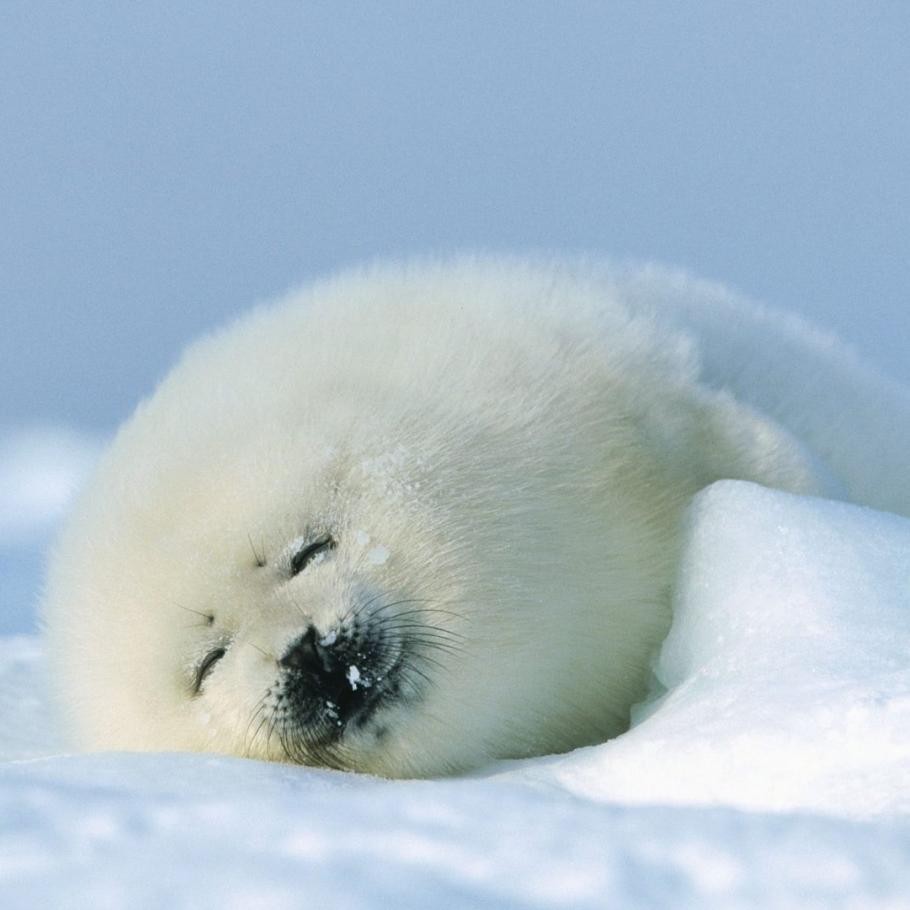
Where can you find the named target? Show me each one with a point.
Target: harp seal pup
(423, 516)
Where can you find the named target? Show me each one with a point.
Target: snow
(787, 670)
(180, 831)
(353, 676)
(378, 556)
(41, 467)
(40, 470)
(770, 768)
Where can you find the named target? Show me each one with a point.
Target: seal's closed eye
(301, 559)
(206, 667)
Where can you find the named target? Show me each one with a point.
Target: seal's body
(420, 517)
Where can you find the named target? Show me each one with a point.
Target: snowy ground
(40, 469)
(773, 770)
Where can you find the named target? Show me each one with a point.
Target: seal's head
(402, 523)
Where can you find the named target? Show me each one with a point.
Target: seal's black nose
(335, 679)
(322, 674)
(307, 655)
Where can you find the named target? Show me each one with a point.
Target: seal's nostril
(307, 654)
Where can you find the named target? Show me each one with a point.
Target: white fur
(513, 441)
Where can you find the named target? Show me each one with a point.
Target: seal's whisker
(260, 559)
(258, 713)
(409, 667)
(440, 611)
(429, 660)
(245, 641)
(420, 611)
(430, 641)
(358, 611)
(263, 721)
(398, 622)
(206, 616)
(296, 606)
(428, 634)
(437, 646)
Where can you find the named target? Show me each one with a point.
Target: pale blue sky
(164, 164)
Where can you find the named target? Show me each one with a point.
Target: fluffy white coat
(511, 442)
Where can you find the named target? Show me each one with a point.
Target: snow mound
(783, 691)
(787, 669)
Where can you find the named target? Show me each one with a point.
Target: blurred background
(164, 165)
